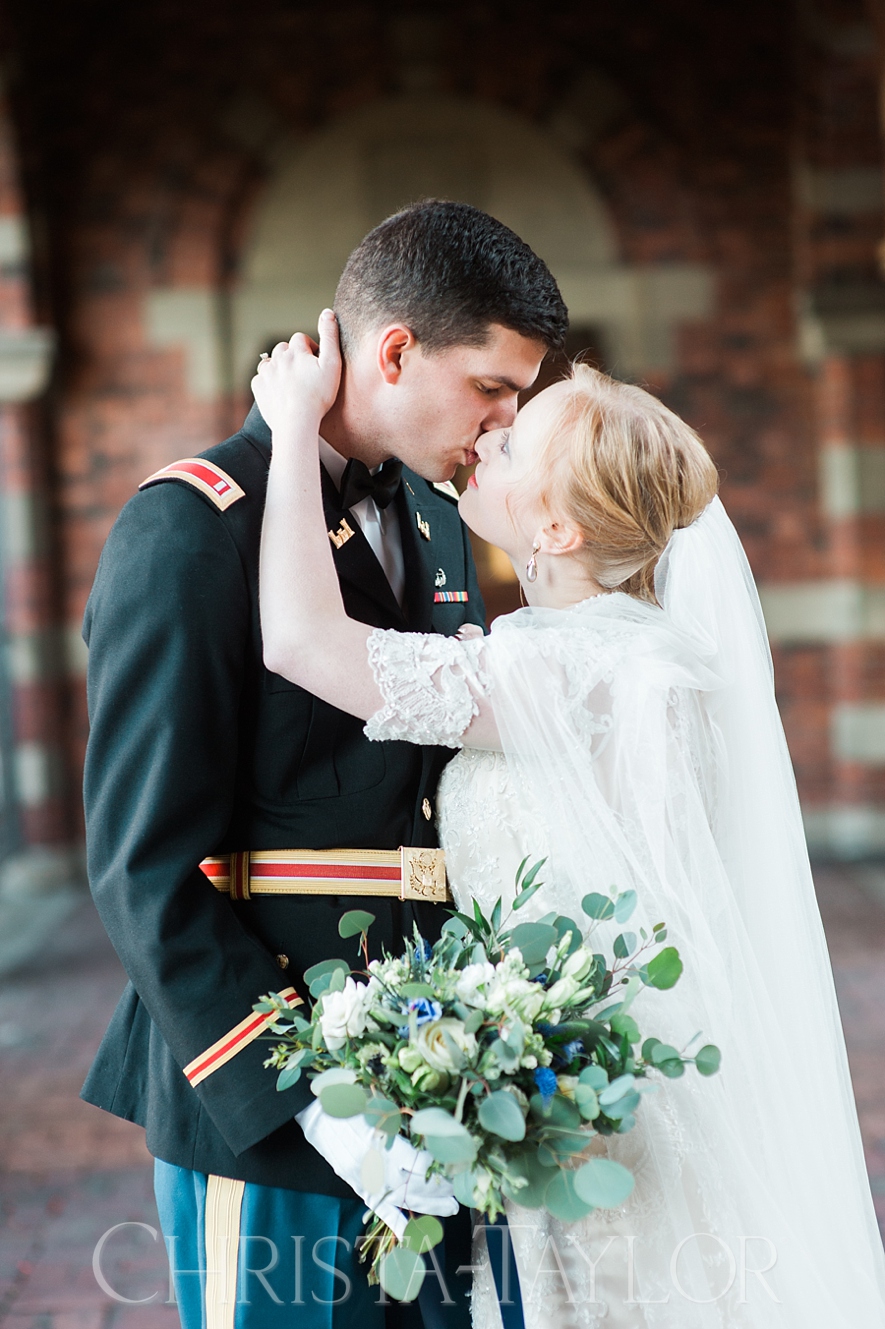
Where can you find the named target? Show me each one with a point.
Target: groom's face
(443, 401)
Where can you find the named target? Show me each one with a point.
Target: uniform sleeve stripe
(203, 475)
(234, 1041)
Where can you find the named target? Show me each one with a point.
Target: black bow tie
(358, 483)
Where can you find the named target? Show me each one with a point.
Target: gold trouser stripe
(224, 1202)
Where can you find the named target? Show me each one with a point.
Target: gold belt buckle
(424, 875)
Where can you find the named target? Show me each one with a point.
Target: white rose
(344, 1013)
(431, 1043)
(470, 979)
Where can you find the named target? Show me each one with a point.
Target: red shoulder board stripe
(210, 479)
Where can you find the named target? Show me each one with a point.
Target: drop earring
(531, 568)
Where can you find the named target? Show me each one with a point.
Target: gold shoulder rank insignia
(203, 475)
(446, 487)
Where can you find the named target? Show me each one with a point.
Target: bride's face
(498, 502)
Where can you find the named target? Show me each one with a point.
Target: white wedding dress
(642, 748)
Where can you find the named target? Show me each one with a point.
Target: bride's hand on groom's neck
(298, 382)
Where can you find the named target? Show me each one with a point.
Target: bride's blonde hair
(627, 471)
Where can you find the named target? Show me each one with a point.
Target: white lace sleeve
(430, 685)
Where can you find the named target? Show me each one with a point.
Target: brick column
(36, 843)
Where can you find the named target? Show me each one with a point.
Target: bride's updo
(627, 471)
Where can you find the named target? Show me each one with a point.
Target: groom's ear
(561, 537)
(392, 345)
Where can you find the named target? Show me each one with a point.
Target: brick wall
(736, 146)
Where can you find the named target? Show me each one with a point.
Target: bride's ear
(560, 537)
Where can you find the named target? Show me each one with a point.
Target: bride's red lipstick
(471, 483)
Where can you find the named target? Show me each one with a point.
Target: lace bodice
(431, 686)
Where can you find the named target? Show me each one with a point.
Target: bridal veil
(649, 740)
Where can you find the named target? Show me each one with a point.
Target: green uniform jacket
(196, 749)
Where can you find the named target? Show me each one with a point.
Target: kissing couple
(286, 644)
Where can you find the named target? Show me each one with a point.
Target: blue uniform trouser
(259, 1257)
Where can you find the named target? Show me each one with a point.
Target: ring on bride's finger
(263, 356)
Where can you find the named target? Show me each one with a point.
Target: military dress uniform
(210, 785)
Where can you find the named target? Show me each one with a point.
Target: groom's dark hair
(448, 271)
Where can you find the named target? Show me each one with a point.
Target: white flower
(517, 996)
(432, 1043)
(566, 1084)
(344, 1013)
(578, 964)
(561, 992)
(471, 979)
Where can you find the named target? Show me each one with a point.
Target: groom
(211, 783)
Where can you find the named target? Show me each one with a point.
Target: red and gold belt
(407, 873)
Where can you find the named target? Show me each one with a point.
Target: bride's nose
(482, 444)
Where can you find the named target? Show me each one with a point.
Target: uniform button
(283, 961)
(427, 809)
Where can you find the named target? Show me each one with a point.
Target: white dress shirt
(379, 526)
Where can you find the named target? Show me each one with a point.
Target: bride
(624, 725)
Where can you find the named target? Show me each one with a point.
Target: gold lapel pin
(342, 535)
(423, 526)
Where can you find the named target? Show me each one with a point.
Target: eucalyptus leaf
(672, 1068)
(622, 1106)
(383, 1114)
(336, 981)
(436, 1121)
(401, 1273)
(286, 1078)
(533, 940)
(598, 906)
(562, 1200)
(626, 1026)
(343, 1100)
(416, 990)
(624, 905)
(526, 1164)
(336, 1075)
(595, 1076)
(662, 1052)
(664, 968)
(612, 1092)
(587, 1101)
(648, 1048)
(473, 1023)
(354, 921)
(624, 944)
(707, 1059)
(456, 926)
(452, 1148)
(603, 1183)
(422, 1233)
(501, 1114)
(324, 967)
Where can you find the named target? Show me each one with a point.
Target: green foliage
(354, 921)
(401, 1273)
(501, 1114)
(603, 1183)
(423, 1233)
(707, 1059)
(664, 968)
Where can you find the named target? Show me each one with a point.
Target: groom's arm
(168, 629)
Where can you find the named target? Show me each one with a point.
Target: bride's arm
(308, 637)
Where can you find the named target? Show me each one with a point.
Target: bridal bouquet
(501, 1050)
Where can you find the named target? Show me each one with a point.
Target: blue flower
(571, 1050)
(540, 978)
(424, 950)
(545, 1079)
(425, 1010)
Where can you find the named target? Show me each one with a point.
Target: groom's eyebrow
(504, 382)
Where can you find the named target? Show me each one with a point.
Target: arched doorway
(327, 191)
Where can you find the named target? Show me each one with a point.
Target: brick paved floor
(69, 1173)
